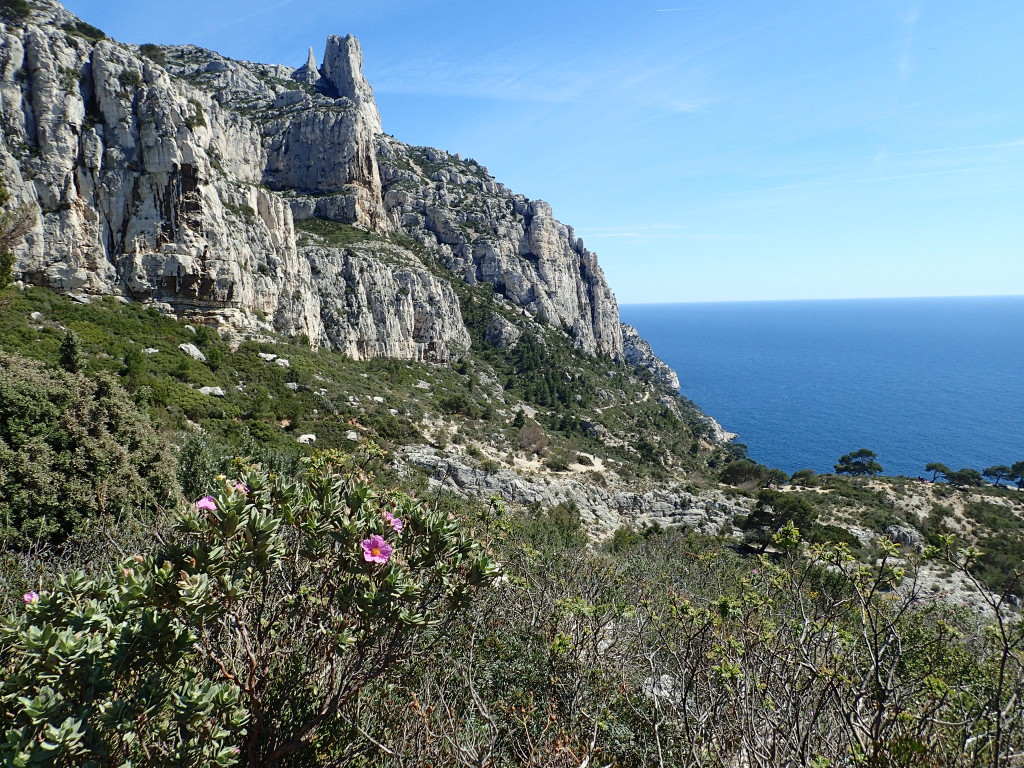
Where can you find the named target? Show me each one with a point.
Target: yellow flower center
(375, 551)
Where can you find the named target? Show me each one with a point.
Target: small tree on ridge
(858, 463)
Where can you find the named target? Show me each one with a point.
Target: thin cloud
(907, 57)
(1013, 144)
(662, 85)
(652, 232)
(854, 180)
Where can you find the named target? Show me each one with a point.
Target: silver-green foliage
(240, 640)
(73, 448)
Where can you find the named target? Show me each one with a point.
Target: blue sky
(708, 150)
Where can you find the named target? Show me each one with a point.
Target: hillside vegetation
(481, 634)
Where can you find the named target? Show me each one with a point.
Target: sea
(802, 382)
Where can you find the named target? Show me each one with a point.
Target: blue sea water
(803, 382)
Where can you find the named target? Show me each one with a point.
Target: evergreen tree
(858, 463)
(72, 358)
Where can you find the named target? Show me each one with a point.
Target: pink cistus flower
(207, 503)
(395, 523)
(376, 549)
(242, 488)
(30, 597)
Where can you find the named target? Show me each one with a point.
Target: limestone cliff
(175, 176)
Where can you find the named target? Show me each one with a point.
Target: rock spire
(343, 69)
(308, 72)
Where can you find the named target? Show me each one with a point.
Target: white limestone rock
(602, 509)
(484, 233)
(179, 185)
(193, 351)
(370, 308)
(639, 354)
(308, 72)
(501, 333)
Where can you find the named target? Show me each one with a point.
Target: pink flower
(395, 523)
(30, 597)
(376, 549)
(242, 488)
(207, 503)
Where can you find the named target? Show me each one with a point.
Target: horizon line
(835, 298)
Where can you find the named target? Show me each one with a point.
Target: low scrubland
(184, 583)
(327, 619)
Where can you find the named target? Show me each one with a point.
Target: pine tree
(72, 358)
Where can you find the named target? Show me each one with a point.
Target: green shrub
(129, 78)
(72, 448)
(558, 461)
(833, 534)
(334, 233)
(458, 403)
(556, 528)
(86, 31)
(154, 53)
(743, 472)
(277, 604)
(15, 10)
(805, 477)
(198, 118)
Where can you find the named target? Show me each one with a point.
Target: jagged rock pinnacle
(308, 72)
(343, 69)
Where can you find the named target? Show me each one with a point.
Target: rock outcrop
(175, 176)
(308, 73)
(639, 354)
(602, 509)
(484, 233)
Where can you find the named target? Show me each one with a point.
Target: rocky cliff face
(639, 354)
(484, 233)
(177, 176)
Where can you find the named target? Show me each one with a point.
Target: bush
(808, 478)
(15, 10)
(458, 403)
(743, 472)
(153, 52)
(532, 439)
(275, 606)
(81, 29)
(72, 448)
(558, 461)
(129, 78)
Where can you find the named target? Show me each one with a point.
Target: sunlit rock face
(175, 176)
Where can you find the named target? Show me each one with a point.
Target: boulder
(501, 333)
(904, 535)
(193, 351)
